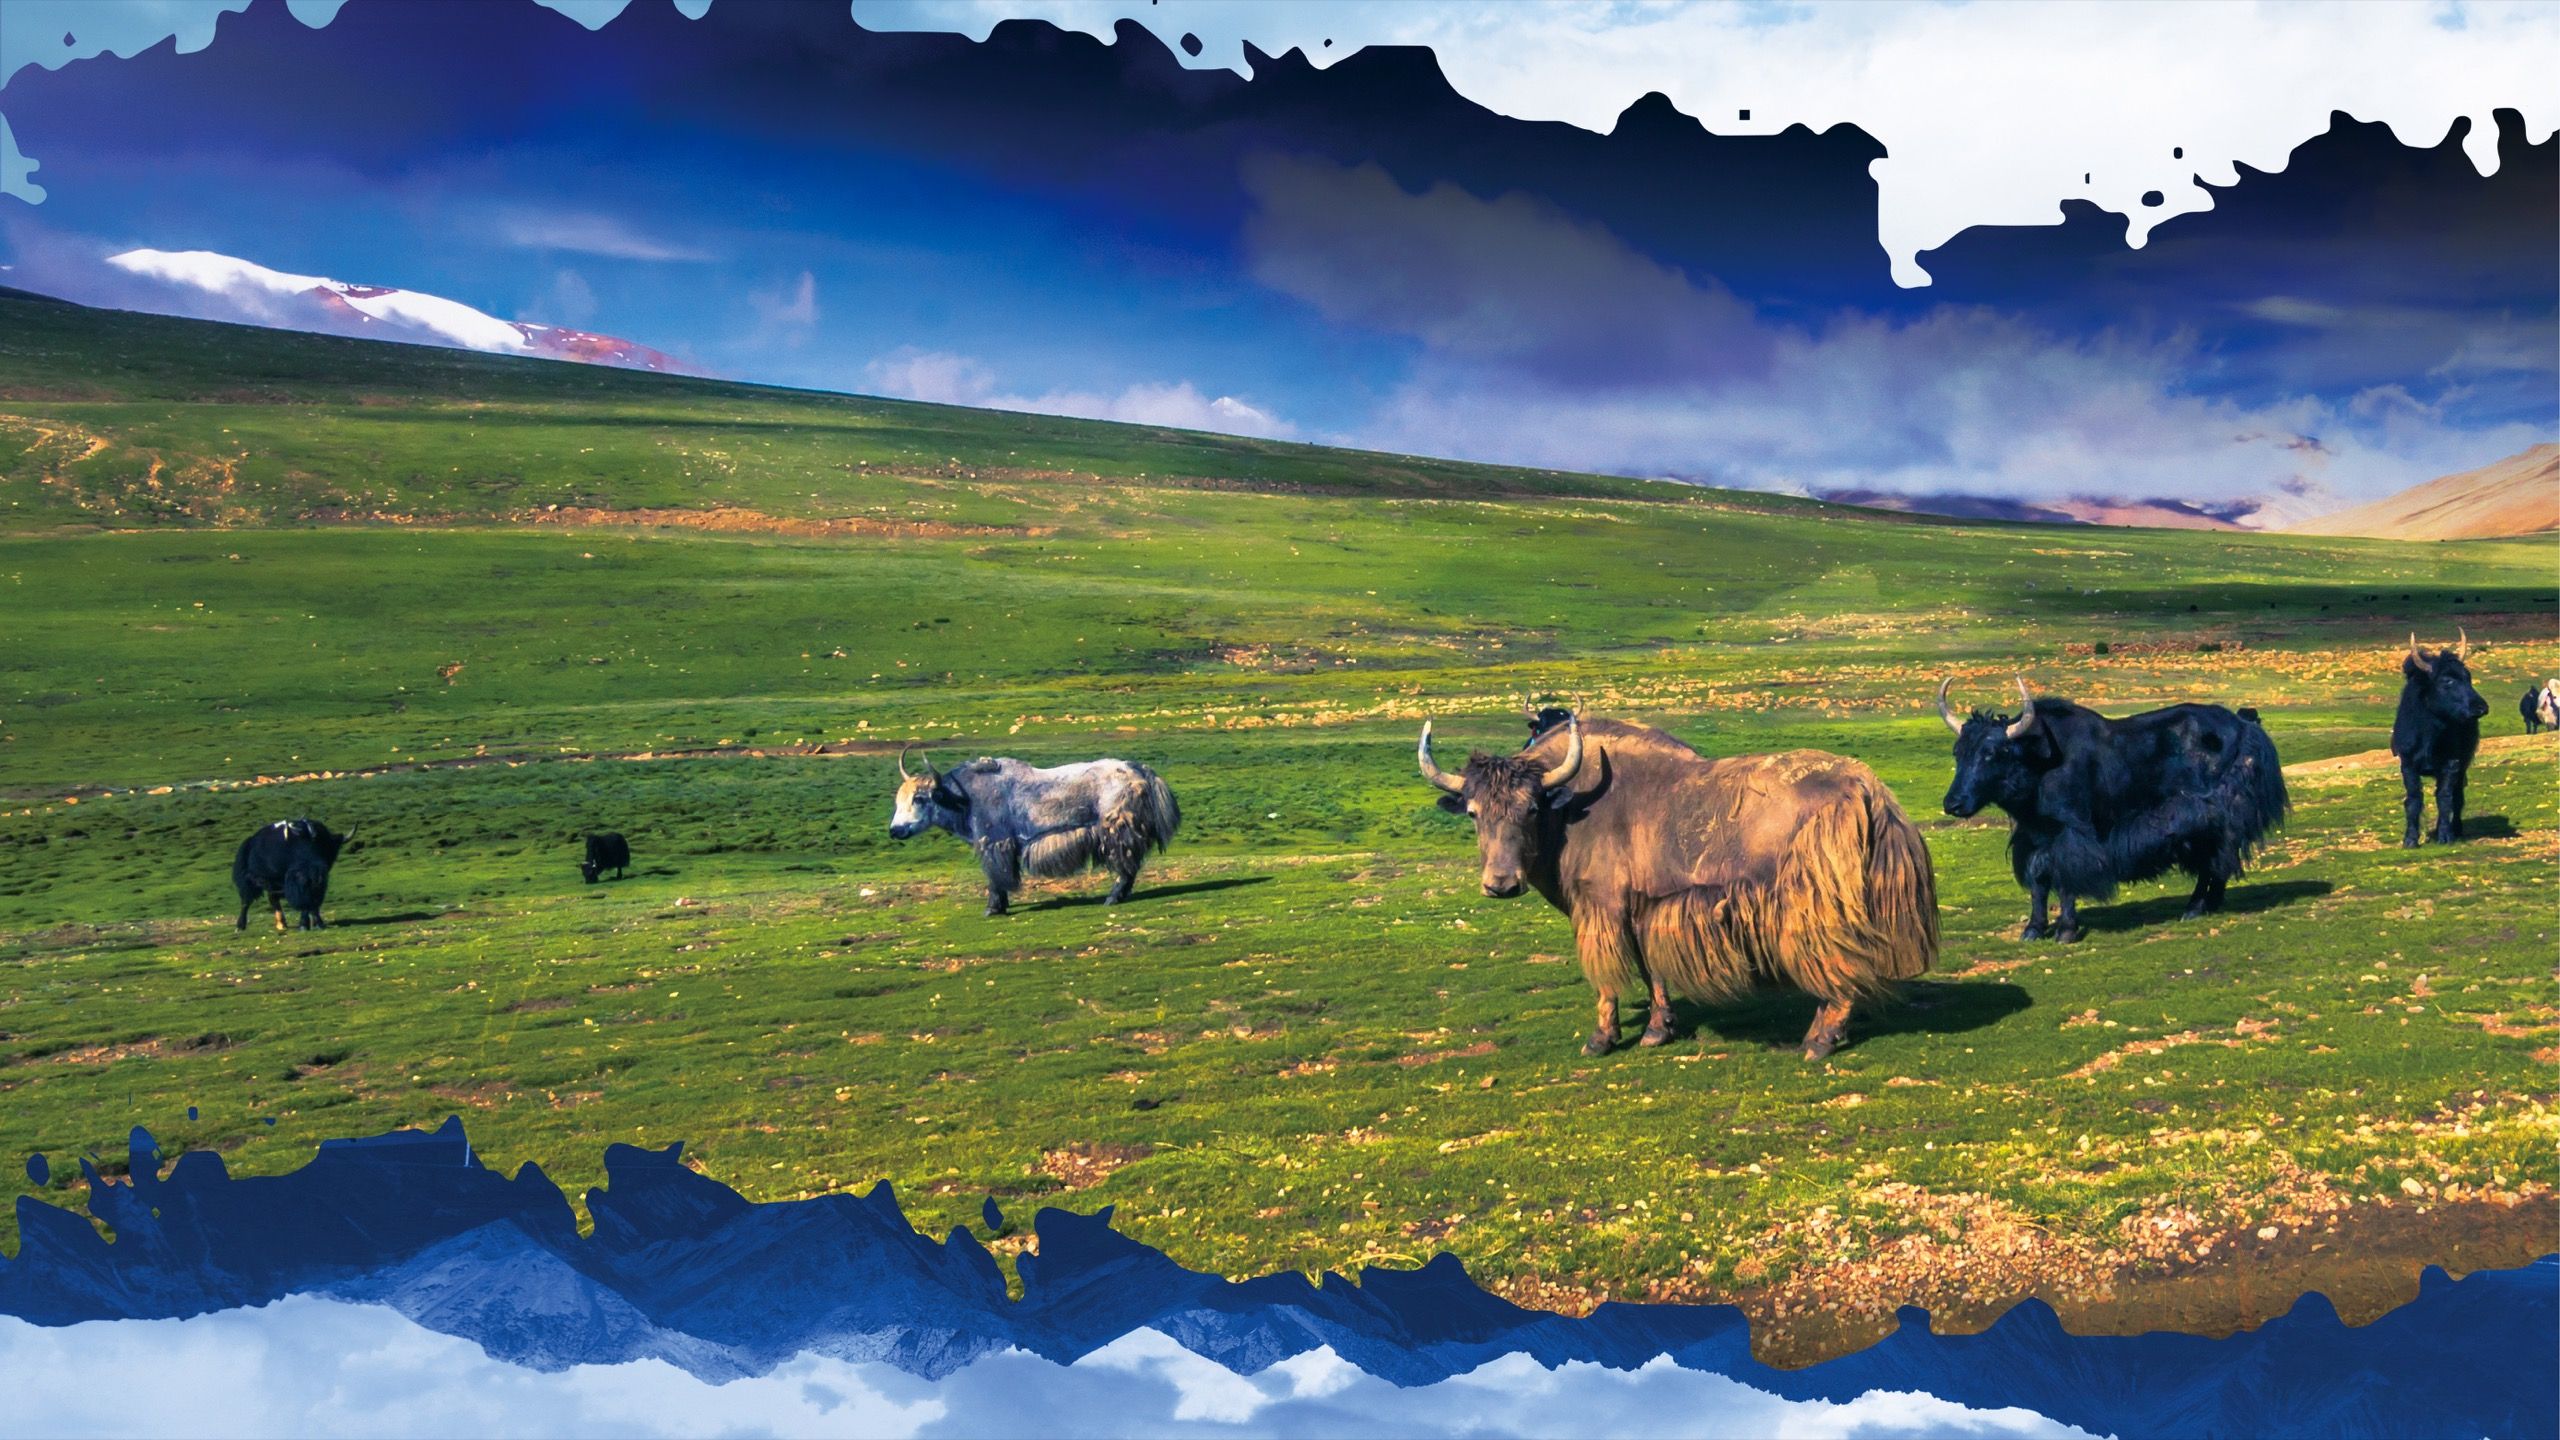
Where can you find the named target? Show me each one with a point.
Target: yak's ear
(1454, 804)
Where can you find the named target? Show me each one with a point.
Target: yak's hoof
(1656, 1035)
(1819, 1047)
(2197, 911)
(1601, 1043)
(2069, 934)
(2031, 931)
(994, 911)
(2409, 841)
(2447, 837)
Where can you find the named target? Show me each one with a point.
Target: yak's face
(2444, 687)
(922, 804)
(1991, 767)
(590, 870)
(1503, 798)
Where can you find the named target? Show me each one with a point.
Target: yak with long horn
(1702, 878)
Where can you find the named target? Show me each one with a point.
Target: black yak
(288, 862)
(1022, 819)
(2435, 735)
(2096, 803)
(1703, 878)
(2541, 707)
(607, 851)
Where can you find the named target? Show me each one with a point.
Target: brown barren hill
(2519, 495)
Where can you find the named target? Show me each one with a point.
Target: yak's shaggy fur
(1024, 820)
(2099, 803)
(1704, 879)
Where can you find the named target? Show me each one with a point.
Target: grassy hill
(247, 574)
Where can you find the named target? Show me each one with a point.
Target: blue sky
(1358, 251)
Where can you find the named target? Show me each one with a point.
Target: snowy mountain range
(235, 289)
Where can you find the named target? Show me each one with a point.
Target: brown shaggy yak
(1704, 878)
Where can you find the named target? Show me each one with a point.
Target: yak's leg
(1657, 1025)
(276, 900)
(1830, 1027)
(2066, 926)
(1001, 865)
(2413, 804)
(243, 922)
(2037, 893)
(2207, 896)
(2449, 806)
(1604, 1029)
(1127, 881)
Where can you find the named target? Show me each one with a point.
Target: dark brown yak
(1703, 878)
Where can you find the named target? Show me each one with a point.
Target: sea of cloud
(310, 1366)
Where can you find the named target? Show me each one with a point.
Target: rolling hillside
(472, 607)
(2519, 495)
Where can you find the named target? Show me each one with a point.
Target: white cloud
(1558, 345)
(786, 314)
(585, 233)
(280, 297)
(311, 1366)
(1993, 112)
(946, 379)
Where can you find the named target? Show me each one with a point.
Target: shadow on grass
(1142, 894)
(403, 917)
(2487, 827)
(1921, 1007)
(2243, 898)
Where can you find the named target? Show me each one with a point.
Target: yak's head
(1999, 758)
(1503, 794)
(328, 842)
(590, 870)
(2442, 682)
(923, 801)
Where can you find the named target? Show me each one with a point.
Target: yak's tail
(2253, 793)
(1159, 815)
(1902, 891)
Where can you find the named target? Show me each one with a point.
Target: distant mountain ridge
(244, 290)
(2519, 495)
(2157, 514)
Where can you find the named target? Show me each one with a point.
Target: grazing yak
(2435, 735)
(2541, 707)
(608, 851)
(2096, 803)
(288, 862)
(1701, 878)
(1022, 819)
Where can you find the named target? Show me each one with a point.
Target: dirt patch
(1428, 1057)
(727, 521)
(2337, 765)
(1969, 1259)
(1089, 1162)
(2241, 1034)
(150, 1048)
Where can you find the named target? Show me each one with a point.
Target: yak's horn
(1431, 770)
(2417, 656)
(902, 764)
(2462, 647)
(2026, 720)
(1572, 762)
(1946, 714)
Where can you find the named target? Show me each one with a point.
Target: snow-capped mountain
(244, 290)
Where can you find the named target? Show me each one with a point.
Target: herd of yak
(1701, 877)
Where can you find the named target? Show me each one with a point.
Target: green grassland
(237, 568)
